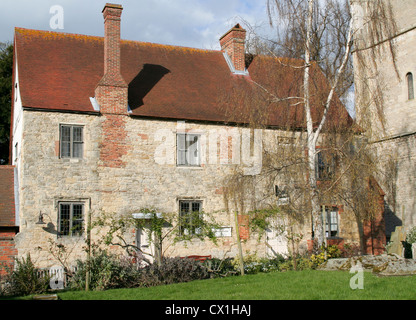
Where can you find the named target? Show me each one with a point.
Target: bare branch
(335, 84)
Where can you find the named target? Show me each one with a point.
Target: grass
(292, 285)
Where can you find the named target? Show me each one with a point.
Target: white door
(276, 243)
(144, 244)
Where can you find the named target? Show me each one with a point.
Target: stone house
(104, 125)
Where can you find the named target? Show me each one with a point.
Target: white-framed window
(71, 141)
(71, 219)
(188, 149)
(331, 222)
(410, 86)
(190, 216)
(330, 218)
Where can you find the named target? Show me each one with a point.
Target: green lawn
(301, 285)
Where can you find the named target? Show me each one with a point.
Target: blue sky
(193, 23)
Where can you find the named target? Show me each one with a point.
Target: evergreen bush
(26, 279)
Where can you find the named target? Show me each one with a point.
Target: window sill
(334, 238)
(190, 167)
(65, 239)
(72, 160)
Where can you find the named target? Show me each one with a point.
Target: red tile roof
(59, 71)
(7, 208)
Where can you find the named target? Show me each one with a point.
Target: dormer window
(410, 88)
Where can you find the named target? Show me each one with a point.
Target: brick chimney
(233, 44)
(111, 91)
(111, 94)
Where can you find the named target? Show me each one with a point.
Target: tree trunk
(158, 249)
(311, 143)
(240, 249)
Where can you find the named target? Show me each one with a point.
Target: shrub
(332, 251)
(411, 236)
(410, 239)
(220, 267)
(302, 263)
(26, 279)
(173, 270)
(263, 265)
(253, 264)
(107, 271)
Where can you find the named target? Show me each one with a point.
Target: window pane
(66, 133)
(77, 134)
(77, 211)
(334, 221)
(77, 150)
(65, 149)
(184, 207)
(192, 150)
(77, 140)
(65, 141)
(77, 219)
(64, 219)
(77, 229)
(195, 206)
(184, 217)
(181, 149)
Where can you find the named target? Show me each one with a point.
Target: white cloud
(194, 23)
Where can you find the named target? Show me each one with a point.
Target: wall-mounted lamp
(40, 219)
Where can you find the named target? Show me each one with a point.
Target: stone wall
(147, 177)
(397, 177)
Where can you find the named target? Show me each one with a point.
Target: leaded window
(71, 219)
(190, 217)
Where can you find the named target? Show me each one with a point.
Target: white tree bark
(319, 232)
(311, 142)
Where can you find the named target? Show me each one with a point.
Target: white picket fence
(59, 278)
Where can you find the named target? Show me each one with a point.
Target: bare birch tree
(315, 36)
(322, 32)
(298, 11)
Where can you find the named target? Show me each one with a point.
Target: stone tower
(385, 75)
